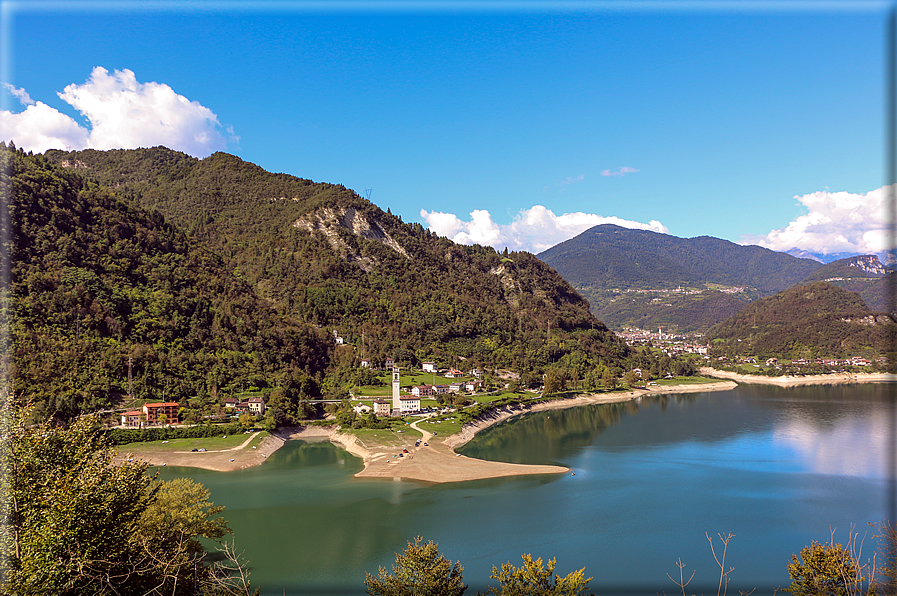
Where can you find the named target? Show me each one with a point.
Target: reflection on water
(776, 467)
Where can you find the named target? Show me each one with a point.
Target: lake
(778, 468)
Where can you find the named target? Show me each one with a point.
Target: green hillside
(808, 321)
(193, 265)
(96, 281)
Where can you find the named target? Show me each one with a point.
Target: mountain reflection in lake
(776, 467)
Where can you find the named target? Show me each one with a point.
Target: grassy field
(442, 426)
(210, 443)
(386, 437)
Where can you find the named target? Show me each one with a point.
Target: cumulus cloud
(534, 229)
(837, 222)
(122, 112)
(619, 171)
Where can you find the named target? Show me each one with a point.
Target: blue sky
(505, 123)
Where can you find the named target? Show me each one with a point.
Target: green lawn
(211, 443)
(443, 426)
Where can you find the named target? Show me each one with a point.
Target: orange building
(153, 411)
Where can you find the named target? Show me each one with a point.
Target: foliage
(886, 557)
(100, 286)
(532, 579)
(419, 571)
(75, 523)
(829, 569)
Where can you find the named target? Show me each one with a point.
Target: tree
(246, 420)
(419, 571)
(887, 557)
(532, 579)
(609, 379)
(74, 522)
(630, 378)
(555, 381)
(828, 569)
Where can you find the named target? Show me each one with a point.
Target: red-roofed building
(153, 411)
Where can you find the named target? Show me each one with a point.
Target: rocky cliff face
(328, 221)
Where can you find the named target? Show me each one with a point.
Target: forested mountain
(96, 282)
(806, 321)
(190, 266)
(627, 275)
(608, 256)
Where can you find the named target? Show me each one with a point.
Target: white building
(409, 404)
(429, 367)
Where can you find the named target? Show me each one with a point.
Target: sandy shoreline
(436, 462)
(791, 381)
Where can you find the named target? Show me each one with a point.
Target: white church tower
(396, 404)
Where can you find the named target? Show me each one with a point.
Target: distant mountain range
(646, 279)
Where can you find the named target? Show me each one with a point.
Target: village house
(154, 411)
(440, 389)
(428, 367)
(456, 387)
(472, 386)
(256, 405)
(422, 391)
(453, 373)
(365, 363)
(362, 408)
(381, 407)
(131, 418)
(231, 402)
(390, 362)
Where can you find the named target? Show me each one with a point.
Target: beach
(434, 462)
(794, 381)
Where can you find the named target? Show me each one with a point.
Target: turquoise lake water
(778, 468)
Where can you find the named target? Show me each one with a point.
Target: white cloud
(19, 94)
(534, 229)
(122, 113)
(619, 171)
(837, 222)
(41, 127)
